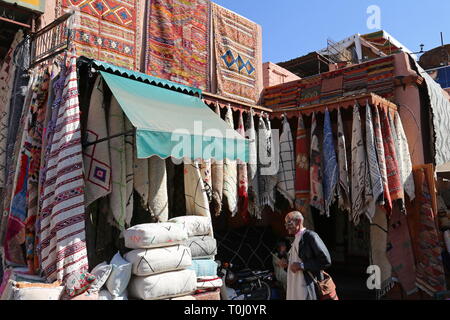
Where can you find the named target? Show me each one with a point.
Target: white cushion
(163, 285)
(153, 235)
(36, 293)
(195, 225)
(202, 247)
(105, 295)
(209, 282)
(151, 261)
(101, 273)
(120, 275)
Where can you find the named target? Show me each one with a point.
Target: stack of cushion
(159, 261)
(203, 249)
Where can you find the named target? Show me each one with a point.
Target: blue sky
(292, 28)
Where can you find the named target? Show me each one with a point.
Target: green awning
(173, 124)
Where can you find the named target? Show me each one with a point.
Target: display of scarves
(217, 181)
(361, 191)
(230, 175)
(344, 183)
(374, 168)
(286, 174)
(330, 165)
(392, 169)
(178, 41)
(405, 158)
(7, 74)
(429, 266)
(378, 247)
(242, 176)
(381, 158)
(316, 198)
(252, 169)
(158, 201)
(97, 162)
(301, 165)
(62, 225)
(268, 157)
(194, 191)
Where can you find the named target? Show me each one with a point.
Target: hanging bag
(325, 289)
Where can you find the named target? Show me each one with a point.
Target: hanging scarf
(252, 170)
(393, 173)
(316, 199)
(330, 166)
(63, 246)
(242, 177)
(286, 175)
(361, 191)
(194, 191)
(158, 201)
(404, 158)
(344, 184)
(302, 165)
(374, 169)
(381, 158)
(217, 181)
(129, 157)
(96, 158)
(205, 170)
(230, 176)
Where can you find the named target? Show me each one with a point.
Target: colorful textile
(316, 198)
(194, 191)
(158, 201)
(429, 266)
(360, 190)
(381, 157)
(230, 175)
(63, 246)
(236, 42)
(310, 91)
(242, 177)
(286, 174)
(355, 80)
(330, 165)
(405, 158)
(302, 165)
(393, 173)
(380, 77)
(332, 85)
(178, 41)
(217, 181)
(400, 251)
(106, 30)
(374, 169)
(96, 158)
(344, 183)
(252, 169)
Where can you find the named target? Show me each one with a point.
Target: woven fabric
(332, 85)
(242, 177)
(344, 183)
(178, 41)
(301, 165)
(154, 235)
(230, 175)
(129, 157)
(194, 190)
(286, 174)
(310, 91)
(106, 30)
(141, 180)
(62, 225)
(380, 77)
(252, 169)
(195, 225)
(202, 247)
(205, 171)
(217, 181)
(236, 44)
(355, 80)
(381, 157)
(96, 158)
(316, 198)
(158, 201)
(330, 165)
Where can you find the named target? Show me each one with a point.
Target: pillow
(209, 282)
(195, 225)
(120, 275)
(101, 273)
(105, 295)
(153, 235)
(204, 268)
(37, 291)
(79, 282)
(163, 285)
(203, 247)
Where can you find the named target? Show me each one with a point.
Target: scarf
(194, 191)
(230, 176)
(316, 199)
(404, 158)
(158, 202)
(374, 169)
(242, 177)
(286, 174)
(381, 158)
(205, 170)
(252, 170)
(344, 184)
(330, 166)
(302, 165)
(217, 181)
(361, 191)
(96, 158)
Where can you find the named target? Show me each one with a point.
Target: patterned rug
(380, 75)
(107, 30)
(355, 80)
(178, 41)
(237, 42)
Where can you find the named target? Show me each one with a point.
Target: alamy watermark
(374, 280)
(374, 19)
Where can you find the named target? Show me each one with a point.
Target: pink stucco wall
(274, 74)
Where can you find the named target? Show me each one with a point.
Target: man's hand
(283, 263)
(295, 267)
